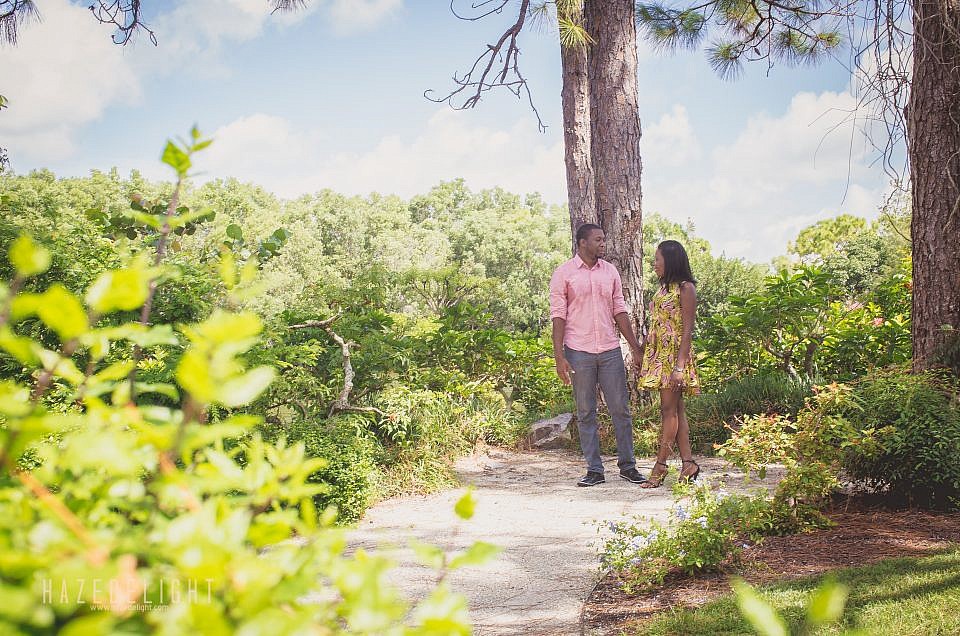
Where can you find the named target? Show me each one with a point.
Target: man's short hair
(584, 231)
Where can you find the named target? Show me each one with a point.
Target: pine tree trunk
(933, 136)
(615, 141)
(575, 97)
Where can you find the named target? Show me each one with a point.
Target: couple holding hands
(587, 309)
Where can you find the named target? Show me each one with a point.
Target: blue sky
(333, 97)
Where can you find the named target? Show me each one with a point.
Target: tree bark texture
(615, 141)
(933, 142)
(575, 99)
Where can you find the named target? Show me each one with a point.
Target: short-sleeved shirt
(587, 298)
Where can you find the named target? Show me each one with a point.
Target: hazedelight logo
(128, 593)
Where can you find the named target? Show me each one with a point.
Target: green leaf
(176, 158)
(245, 389)
(160, 388)
(28, 258)
(827, 603)
(150, 220)
(60, 310)
(758, 612)
(428, 554)
(115, 371)
(188, 217)
(119, 290)
(235, 232)
(20, 347)
(14, 399)
(479, 553)
(466, 506)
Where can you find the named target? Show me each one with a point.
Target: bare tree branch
(342, 403)
(497, 67)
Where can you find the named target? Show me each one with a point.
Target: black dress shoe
(592, 478)
(632, 475)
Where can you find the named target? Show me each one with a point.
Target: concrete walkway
(529, 505)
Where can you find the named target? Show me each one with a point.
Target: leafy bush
(915, 424)
(759, 393)
(811, 447)
(706, 527)
(350, 455)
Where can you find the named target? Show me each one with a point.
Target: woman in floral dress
(668, 361)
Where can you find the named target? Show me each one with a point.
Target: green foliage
(767, 392)
(914, 423)
(822, 239)
(350, 462)
(802, 325)
(810, 446)
(706, 528)
(116, 487)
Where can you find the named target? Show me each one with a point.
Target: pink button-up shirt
(587, 298)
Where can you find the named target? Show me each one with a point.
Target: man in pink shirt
(587, 307)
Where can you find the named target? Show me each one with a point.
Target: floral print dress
(663, 344)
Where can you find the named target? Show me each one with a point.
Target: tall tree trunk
(615, 141)
(933, 142)
(575, 97)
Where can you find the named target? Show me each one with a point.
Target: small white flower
(702, 521)
(612, 526)
(680, 513)
(652, 536)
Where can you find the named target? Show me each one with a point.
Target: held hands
(676, 380)
(564, 370)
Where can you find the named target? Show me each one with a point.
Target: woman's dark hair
(583, 232)
(676, 265)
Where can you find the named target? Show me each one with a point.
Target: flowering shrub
(705, 528)
(811, 448)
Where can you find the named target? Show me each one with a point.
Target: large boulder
(552, 433)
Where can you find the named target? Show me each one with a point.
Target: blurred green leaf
(119, 290)
(28, 258)
(758, 612)
(477, 554)
(827, 603)
(466, 505)
(176, 158)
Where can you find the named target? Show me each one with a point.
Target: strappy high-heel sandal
(656, 480)
(692, 476)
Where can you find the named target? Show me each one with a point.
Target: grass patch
(892, 597)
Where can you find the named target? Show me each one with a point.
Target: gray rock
(551, 434)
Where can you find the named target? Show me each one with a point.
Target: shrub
(705, 528)
(915, 422)
(351, 471)
(811, 447)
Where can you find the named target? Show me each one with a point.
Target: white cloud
(350, 16)
(63, 73)
(272, 152)
(670, 141)
(778, 176)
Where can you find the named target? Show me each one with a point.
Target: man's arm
(563, 367)
(622, 318)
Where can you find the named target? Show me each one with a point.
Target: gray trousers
(607, 370)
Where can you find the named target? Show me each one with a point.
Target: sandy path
(529, 505)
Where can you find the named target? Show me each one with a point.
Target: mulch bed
(862, 535)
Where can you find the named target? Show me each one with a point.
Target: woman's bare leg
(668, 432)
(683, 440)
